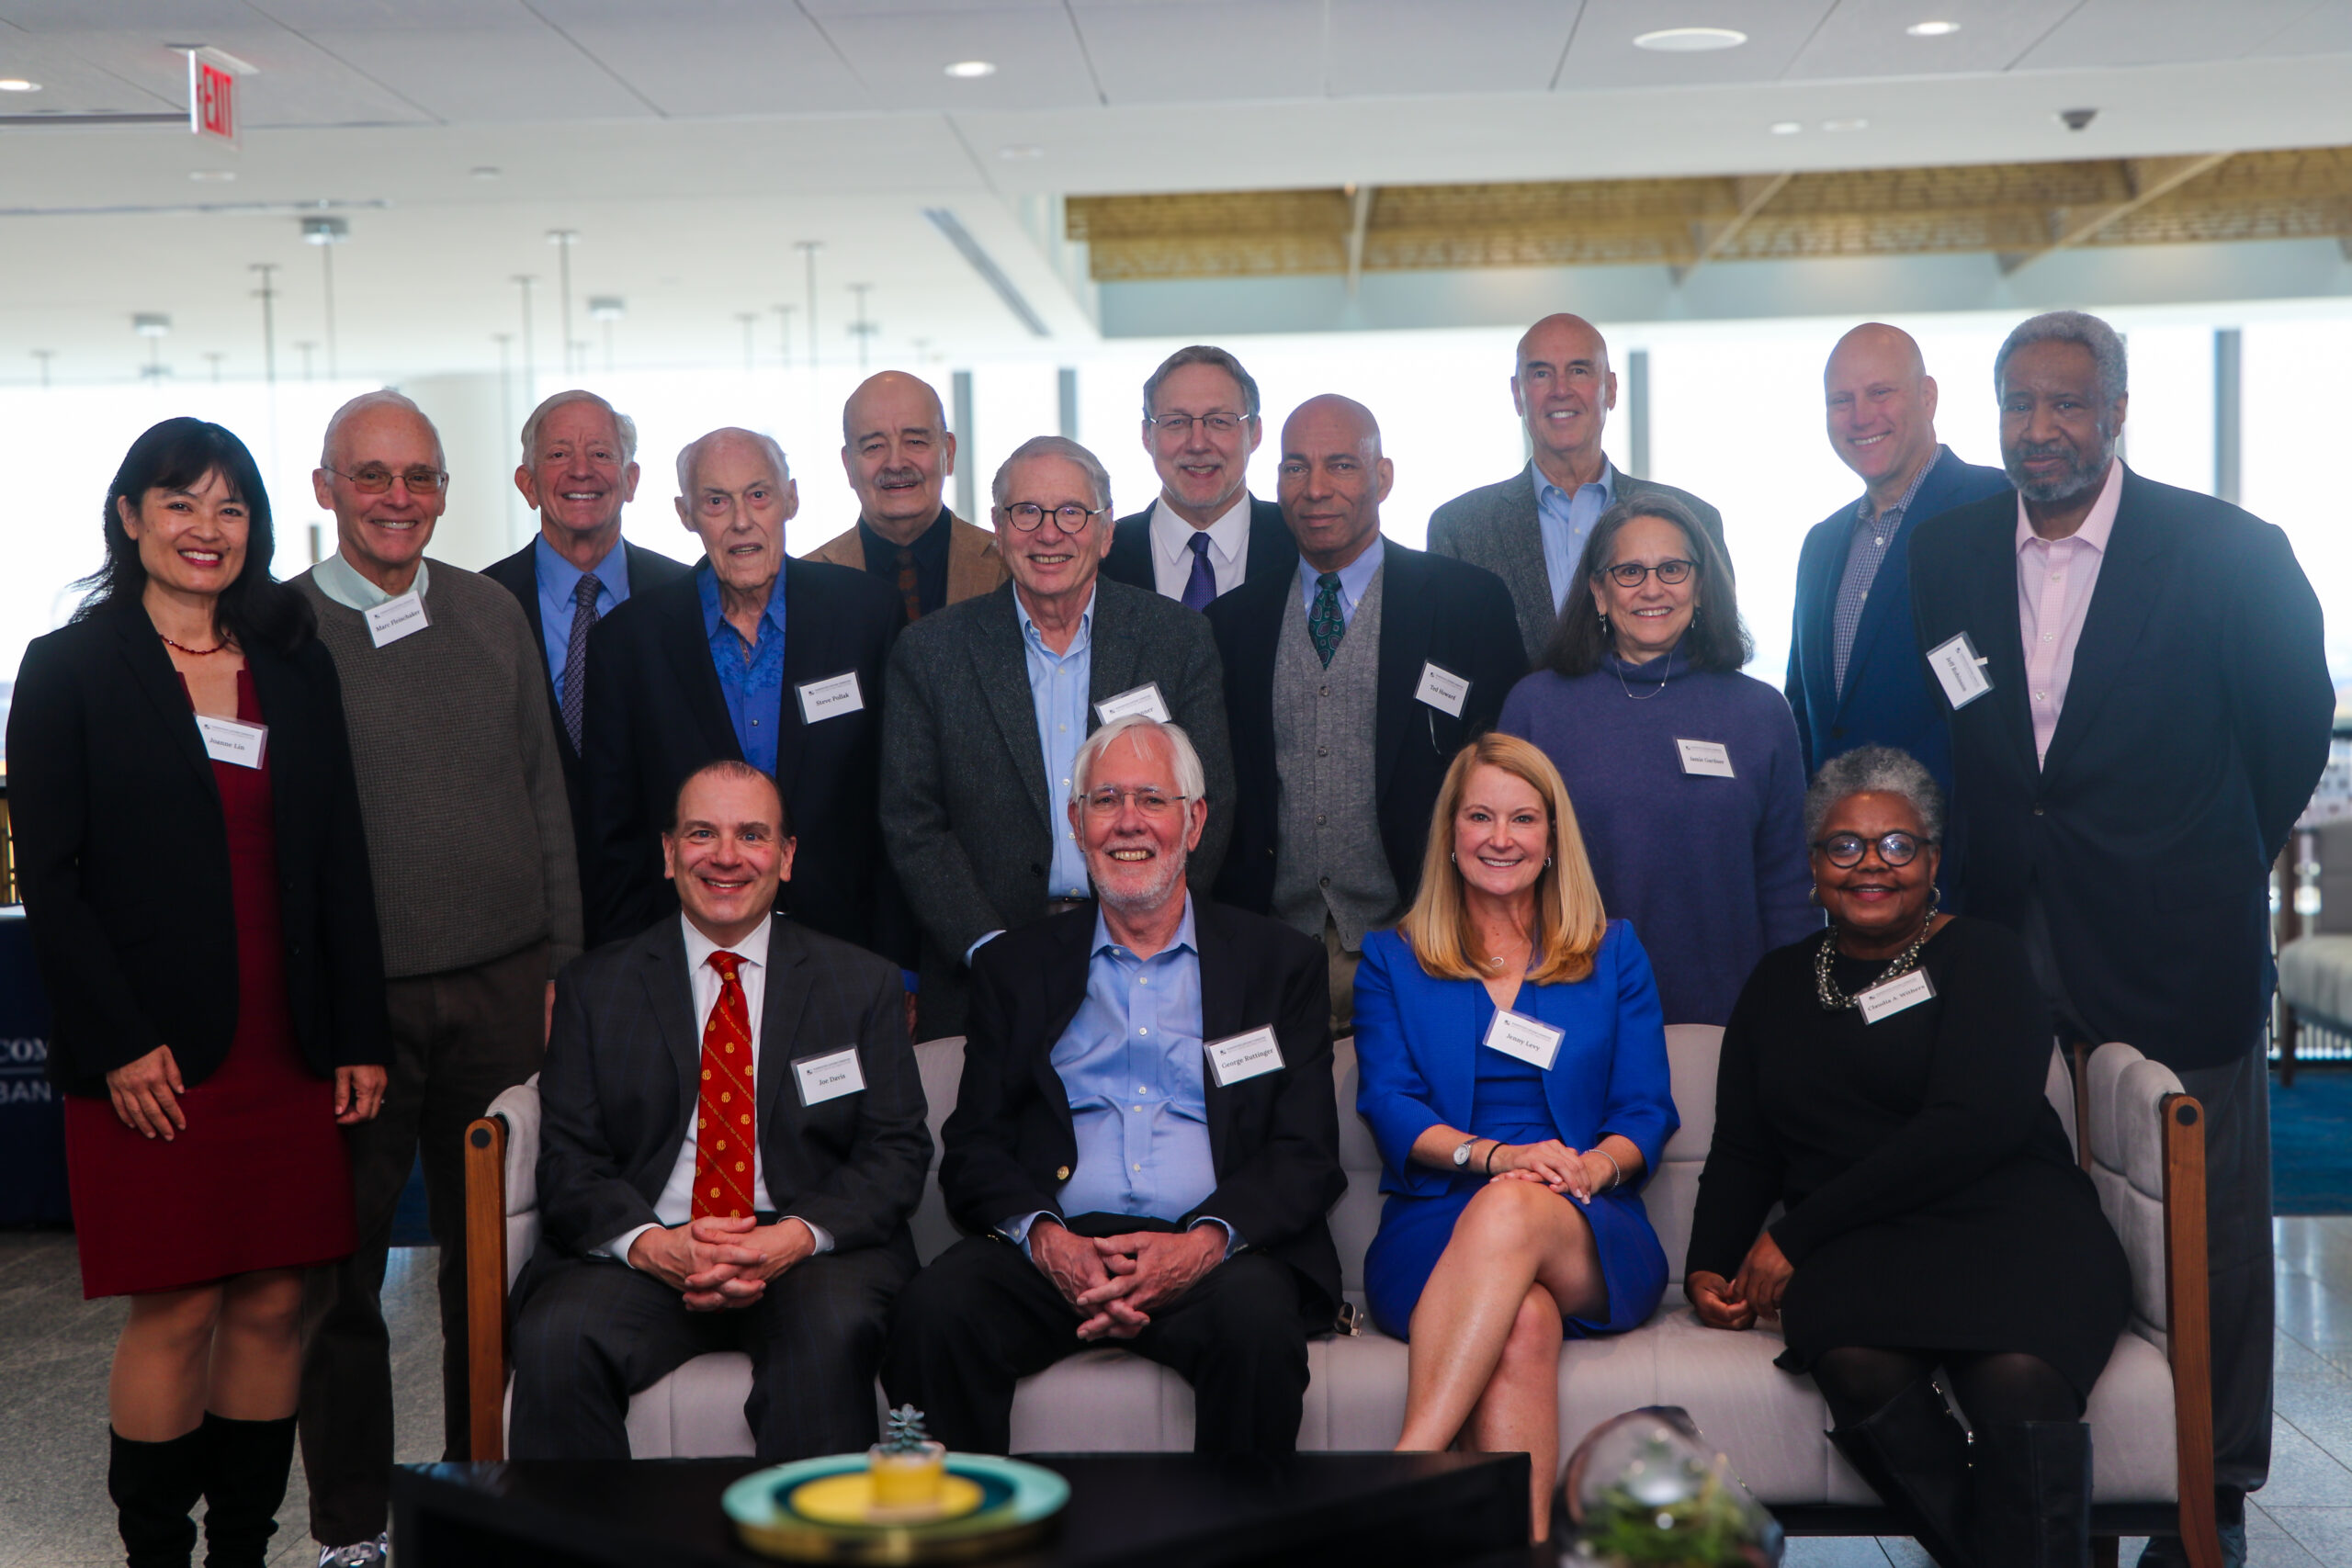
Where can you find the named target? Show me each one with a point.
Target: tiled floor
(54, 1350)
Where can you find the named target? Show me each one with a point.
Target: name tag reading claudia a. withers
(232, 740)
(1891, 997)
(829, 1077)
(396, 618)
(1237, 1058)
(831, 697)
(1144, 699)
(1516, 1035)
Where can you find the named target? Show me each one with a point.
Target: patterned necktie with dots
(910, 584)
(724, 1134)
(575, 656)
(1325, 625)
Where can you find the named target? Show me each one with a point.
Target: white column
(468, 410)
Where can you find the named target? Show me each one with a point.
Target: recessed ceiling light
(1837, 125)
(221, 175)
(1020, 154)
(1932, 29)
(484, 172)
(1690, 41)
(17, 85)
(971, 70)
(1787, 127)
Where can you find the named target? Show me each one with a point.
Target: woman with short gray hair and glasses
(1883, 1081)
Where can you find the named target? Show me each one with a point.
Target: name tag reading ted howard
(1237, 1058)
(1903, 991)
(396, 618)
(232, 740)
(829, 1077)
(1144, 699)
(831, 697)
(1959, 669)
(1708, 759)
(1441, 688)
(1529, 1040)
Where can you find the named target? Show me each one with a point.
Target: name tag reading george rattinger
(1889, 998)
(829, 1077)
(1237, 1058)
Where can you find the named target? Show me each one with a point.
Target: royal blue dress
(1422, 1059)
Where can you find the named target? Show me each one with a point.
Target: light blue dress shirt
(1059, 684)
(1567, 520)
(1356, 579)
(558, 582)
(753, 687)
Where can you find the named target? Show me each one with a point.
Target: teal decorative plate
(1020, 1504)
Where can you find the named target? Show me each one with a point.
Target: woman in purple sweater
(1687, 775)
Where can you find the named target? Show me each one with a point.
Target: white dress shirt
(2055, 580)
(675, 1205)
(1172, 548)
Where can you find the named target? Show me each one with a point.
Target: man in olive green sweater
(470, 840)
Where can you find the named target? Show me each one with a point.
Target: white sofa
(2145, 1146)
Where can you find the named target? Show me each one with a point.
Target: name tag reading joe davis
(1441, 688)
(396, 618)
(831, 697)
(829, 1077)
(1237, 1058)
(1529, 1040)
(1959, 669)
(1706, 759)
(1903, 991)
(232, 740)
(1144, 699)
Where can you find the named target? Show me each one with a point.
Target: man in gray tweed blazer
(989, 700)
(1530, 529)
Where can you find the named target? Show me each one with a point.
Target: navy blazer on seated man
(1888, 698)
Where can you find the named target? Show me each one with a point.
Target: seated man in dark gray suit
(1530, 529)
(731, 1138)
(988, 702)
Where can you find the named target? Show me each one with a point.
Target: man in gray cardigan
(989, 699)
(1530, 529)
(470, 840)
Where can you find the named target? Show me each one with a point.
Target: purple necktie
(1200, 589)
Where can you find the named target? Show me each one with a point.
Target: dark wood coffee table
(1320, 1510)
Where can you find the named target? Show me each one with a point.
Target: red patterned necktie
(724, 1134)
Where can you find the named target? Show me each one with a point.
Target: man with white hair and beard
(2139, 706)
(1145, 1118)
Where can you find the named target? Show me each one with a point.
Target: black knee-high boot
(153, 1486)
(1916, 1458)
(245, 1467)
(2033, 1494)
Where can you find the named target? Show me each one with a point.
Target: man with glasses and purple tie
(989, 700)
(1207, 534)
(462, 792)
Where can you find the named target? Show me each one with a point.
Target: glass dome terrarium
(1643, 1491)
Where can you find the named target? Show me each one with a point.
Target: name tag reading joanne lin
(1237, 1058)
(396, 618)
(1144, 699)
(831, 697)
(1960, 671)
(1441, 688)
(1529, 1040)
(829, 1077)
(232, 740)
(1894, 995)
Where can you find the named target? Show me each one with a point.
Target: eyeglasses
(1846, 850)
(1071, 518)
(374, 478)
(1630, 574)
(1106, 801)
(1182, 423)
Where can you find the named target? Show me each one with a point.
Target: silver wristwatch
(1462, 1154)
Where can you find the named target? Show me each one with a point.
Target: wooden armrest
(485, 1163)
(2188, 1317)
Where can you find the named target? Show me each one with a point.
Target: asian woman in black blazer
(197, 887)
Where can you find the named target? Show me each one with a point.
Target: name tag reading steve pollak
(396, 618)
(829, 1077)
(1960, 671)
(232, 740)
(1529, 1040)
(1886, 999)
(1144, 699)
(1237, 1058)
(831, 697)
(1441, 688)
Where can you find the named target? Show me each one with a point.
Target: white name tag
(1443, 690)
(829, 1077)
(831, 697)
(1241, 1057)
(1903, 991)
(1144, 699)
(1706, 758)
(1516, 1035)
(232, 740)
(1959, 669)
(396, 618)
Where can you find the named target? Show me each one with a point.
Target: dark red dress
(259, 1178)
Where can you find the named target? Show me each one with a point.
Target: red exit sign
(213, 93)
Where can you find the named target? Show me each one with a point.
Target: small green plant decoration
(905, 1433)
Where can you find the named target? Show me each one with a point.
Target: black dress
(1933, 1200)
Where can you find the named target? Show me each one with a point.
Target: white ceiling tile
(1602, 55)
(713, 57)
(2326, 30)
(1866, 38)
(464, 61)
(298, 82)
(903, 59)
(2161, 32)
(1178, 52)
(1383, 47)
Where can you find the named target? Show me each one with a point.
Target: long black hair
(1717, 637)
(177, 454)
